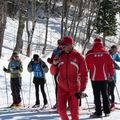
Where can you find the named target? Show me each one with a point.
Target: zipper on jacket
(67, 71)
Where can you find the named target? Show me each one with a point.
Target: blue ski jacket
(115, 57)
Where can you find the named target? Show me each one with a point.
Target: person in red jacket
(72, 79)
(101, 67)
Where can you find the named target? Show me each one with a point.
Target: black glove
(32, 61)
(79, 95)
(4, 69)
(44, 65)
(110, 79)
(17, 68)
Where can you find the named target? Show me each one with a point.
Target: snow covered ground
(30, 115)
(27, 79)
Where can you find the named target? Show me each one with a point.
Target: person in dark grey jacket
(15, 68)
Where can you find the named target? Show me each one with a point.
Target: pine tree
(106, 20)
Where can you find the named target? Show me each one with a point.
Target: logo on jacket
(75, 60)
(98, 55)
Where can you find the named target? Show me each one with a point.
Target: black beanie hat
(15, 53)
(35, 57)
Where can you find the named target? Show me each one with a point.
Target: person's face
(36, 60)
(67, 48)
(15, 57)
(60, 46)
(114, 50)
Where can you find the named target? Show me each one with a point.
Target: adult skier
(55, 54)
(15, 68)
(111, 85)
(72, 79)
(101, 68)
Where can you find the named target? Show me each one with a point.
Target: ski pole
(53, 81)
(22, 96)
(29, 90)
(87, 104)
(6, 88)
(48, 95)
(117, 92)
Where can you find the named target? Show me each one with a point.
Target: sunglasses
(64, 46)
(16, 56)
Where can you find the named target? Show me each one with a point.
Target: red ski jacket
(99, 63)
(72, 71)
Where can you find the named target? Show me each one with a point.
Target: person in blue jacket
(55, 54)
(39, 68)
(111, 85)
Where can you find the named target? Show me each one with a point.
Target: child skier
(39, 68)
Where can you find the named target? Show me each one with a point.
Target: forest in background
(82, 19)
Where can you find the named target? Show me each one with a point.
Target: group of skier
(70, 70)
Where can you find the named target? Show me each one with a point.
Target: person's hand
(17, 68)
(32, 61)
(43, 66)
(110, 79)
(4, 69)
(83, 95)
(49, 60)
(55, 60)
(80, 95)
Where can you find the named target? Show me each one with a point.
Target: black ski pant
(16, 88)
(111, 88)
(100, 89)
(55, 78)
(42, 91)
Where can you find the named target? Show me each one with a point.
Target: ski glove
(4, 69)
(49, 60)
(55, 60)
(16, 68)
(32, 61)
(79, 95)
(110, 79)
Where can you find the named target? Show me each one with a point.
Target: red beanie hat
(68, 40)
(97, 43)
(98, 40)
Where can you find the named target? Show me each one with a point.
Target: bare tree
(22, 18)
(3, 5)
(90, 23)
(31, 31)
(66, 14)
(47, 9)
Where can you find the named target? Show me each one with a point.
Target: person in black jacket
(39, 68)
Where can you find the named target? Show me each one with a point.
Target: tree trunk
(66, 17)
(3, 5)
(81, 4)
(22, 18)
(30, 32)
(89, 24)
(30, 36)
(62, 20)
(73, 19)
(104, 36)
(47, 21)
